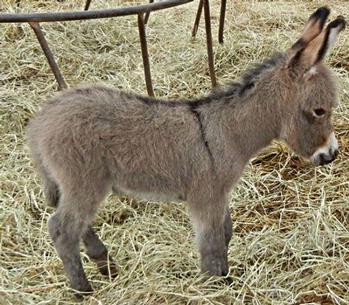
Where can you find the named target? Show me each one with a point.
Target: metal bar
(82, 15)
(197, 19)
(221, 21)
(146, 18)
(44, 45)
(87, 5)
(145, 55)
(209, 42)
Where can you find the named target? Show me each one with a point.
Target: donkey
(88, 141)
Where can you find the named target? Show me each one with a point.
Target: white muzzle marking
(326, 153)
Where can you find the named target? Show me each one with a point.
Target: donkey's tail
(51, 189)
(50, 186)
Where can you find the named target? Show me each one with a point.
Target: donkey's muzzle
(327, 153)
(324, 159)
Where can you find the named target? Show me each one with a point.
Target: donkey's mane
(247, 80)
(226, 92)
(252, 74)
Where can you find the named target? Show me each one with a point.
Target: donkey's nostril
(325, 159)
(322, 159)
(335, 153)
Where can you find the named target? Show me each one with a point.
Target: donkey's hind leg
(75, 212)
(97, 252)
(66, 226)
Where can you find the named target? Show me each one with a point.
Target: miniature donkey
(90, 140)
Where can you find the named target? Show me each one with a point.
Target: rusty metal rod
(35, 18)
(221, 21)
(50, 58)
(83, 15)
(209, 42)
(146, 18)
(87, 5)
(145, 55)
(197, 19)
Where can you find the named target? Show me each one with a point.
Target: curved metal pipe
(83, 15)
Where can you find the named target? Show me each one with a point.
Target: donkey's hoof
(228, 280)
(215, 265)
(224, 280)
(83, 292)
(108, 269)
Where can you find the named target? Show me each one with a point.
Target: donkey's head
(308, 128)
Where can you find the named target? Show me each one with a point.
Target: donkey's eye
(319, 112)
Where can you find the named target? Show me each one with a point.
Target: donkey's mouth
(323, 158)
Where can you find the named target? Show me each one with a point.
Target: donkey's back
(136, 144)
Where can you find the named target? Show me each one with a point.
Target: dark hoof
(84, 292)
(110, 270)
(228, 281)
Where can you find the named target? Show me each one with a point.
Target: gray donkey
(90, 140)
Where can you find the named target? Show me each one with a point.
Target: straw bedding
(291, 220)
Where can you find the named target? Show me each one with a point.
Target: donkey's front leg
(209, 219)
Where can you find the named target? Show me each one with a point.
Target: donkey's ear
(312, 29)
(322, 44)
(310, 53)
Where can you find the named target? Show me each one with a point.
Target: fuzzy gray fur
(89, 140)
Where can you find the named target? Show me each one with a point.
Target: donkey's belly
(149, 187)
(148, 195)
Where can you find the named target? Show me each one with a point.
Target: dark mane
(252, 74)
(226, 92)
(247, 81)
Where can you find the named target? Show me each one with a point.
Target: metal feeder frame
(142, 11)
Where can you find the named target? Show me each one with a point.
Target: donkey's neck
(237, 126)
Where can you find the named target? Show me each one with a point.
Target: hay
(291, 221)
